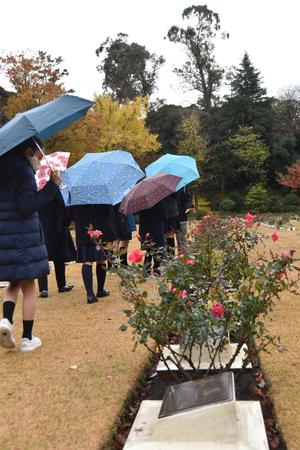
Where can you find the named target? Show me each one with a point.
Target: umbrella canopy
(57, 160)
(182, 166)
(42, 121)
(101, 178)
(149, 192)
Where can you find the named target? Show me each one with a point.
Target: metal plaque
(196, 393)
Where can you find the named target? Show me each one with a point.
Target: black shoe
(66, 288)
(43, 294)
(103, 293)
(92, 299)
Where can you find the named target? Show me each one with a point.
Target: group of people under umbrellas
(34, 224)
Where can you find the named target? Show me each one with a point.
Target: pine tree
(246, 81)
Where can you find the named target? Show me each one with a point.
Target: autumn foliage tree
(292, 178)
(110, 125)
(36, 79)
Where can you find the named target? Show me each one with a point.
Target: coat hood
(8, 164)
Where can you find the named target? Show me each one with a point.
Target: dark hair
(29, 143)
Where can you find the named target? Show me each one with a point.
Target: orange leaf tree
(36, 79)
(292, 178)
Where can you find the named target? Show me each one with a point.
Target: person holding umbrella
(146, 197)
(55, 220)
(60, 247)
(23, 254)
(94, 217)
(94, 184)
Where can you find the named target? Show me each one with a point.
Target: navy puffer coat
(23, 254)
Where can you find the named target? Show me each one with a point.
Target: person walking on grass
(94, 217)
(23, 254)
(152, 235)
(60, 247)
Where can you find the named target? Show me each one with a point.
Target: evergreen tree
(246, 81)
(248, 105)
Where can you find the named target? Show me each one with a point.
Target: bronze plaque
(193, 394)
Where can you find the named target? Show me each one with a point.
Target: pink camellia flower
(97, 234)
(249, 219)
(190, 262)
(184, 294)
(287, 255)
(136, 256)
(275, 236)
(217, 310)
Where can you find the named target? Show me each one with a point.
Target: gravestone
(199, 414)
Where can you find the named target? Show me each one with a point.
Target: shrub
(228, 204)
(211, 291)
(257, 198)
(291, 202)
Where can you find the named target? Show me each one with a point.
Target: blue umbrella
(42, 121)
(100, 178)
(182, 166)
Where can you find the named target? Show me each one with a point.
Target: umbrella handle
(62, 185)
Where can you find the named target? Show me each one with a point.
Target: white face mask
(34, 162)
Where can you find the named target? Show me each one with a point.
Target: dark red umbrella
(148, 192)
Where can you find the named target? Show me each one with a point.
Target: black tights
(60, 275)
(87, 276)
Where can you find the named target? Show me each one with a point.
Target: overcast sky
(267, 29)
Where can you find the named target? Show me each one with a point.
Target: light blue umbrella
(100, 178)
(182, 166)
(42, 121)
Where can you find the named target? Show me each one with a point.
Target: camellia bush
(219, 291)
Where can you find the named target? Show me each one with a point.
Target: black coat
(55, 219)
(123, 231)
(23, 254)
(101, 217)
(152, 221)
(184, 202)
(171, 206)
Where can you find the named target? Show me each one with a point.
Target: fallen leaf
(256, 391)
(274, 442)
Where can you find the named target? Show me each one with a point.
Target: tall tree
(130, 70)
(164, 123)
(247, 106)
(111, 125)
(246, 81)
(252, 153)
(201, 71)
(4, 96)
(192, 141)
(36, 78)
(292, 178)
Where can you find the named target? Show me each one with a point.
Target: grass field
(68, 394)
